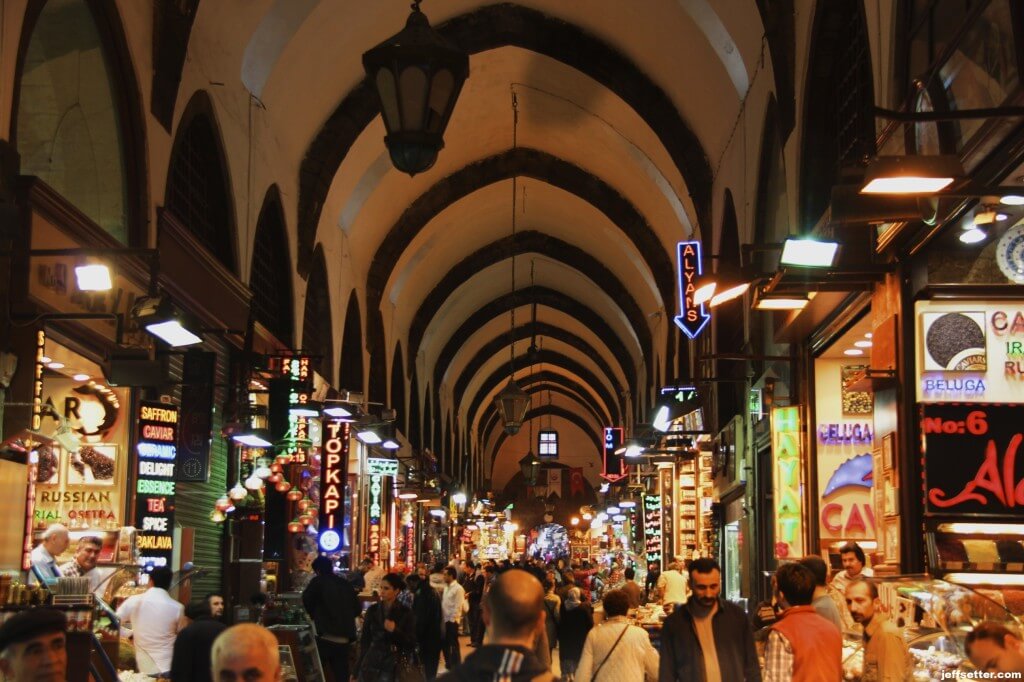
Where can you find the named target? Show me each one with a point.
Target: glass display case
(935, 616)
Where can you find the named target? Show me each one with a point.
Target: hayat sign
(971, 460)
(787, 455)
(154, 499)
(970, 352)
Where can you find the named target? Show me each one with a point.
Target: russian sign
(333, 475)
(788, 482)
(971, 461)
(692, 318)
(615, 468)
(155, 482)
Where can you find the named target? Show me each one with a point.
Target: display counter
(935, 616)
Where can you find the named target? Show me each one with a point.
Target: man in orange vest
(802, 646)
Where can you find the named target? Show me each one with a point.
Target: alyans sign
(154, 492)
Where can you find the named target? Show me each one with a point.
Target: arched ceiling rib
(554, 411)
(569, 387)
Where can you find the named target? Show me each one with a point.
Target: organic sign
(331, 519)
(970, 459)
(154, 499)
(692, 318)
(788, 483)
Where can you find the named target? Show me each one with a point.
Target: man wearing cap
(32, 646)
(44, 556)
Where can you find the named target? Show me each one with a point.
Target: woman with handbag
(387, 645)
(617, 651)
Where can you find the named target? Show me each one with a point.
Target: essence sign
(154, 485)
(333, 475)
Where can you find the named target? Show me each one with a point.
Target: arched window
(198, 192)
(69, 119)
(270, 278)
(350, 374)
(398, 388)
(316, 318)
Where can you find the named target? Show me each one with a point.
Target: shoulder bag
(610, 652)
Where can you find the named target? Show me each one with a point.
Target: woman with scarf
(387, 646)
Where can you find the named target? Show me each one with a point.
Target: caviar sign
(971, 459)
(154, 487)
(333, 475)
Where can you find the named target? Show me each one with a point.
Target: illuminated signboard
(379, 466)
(788, 482)
(972, 461)
(333, 474)
(376, 488)
(652, 527)
(33, 466)
(692, 318)
(614, 467)
(154, 491)
(297, 372)
(666, 485)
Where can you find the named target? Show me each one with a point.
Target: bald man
(513, 611)
(44, 557)
(246, 652)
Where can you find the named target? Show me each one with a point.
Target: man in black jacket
(332, 604)
(709, 639)
(426, 605)
(191, 659)
(474, 585)
(513, 611)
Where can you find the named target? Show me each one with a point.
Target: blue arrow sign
(691, 318)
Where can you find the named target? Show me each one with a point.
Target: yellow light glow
(729, 294)
(781, 304)
(704, 292)
(982, 528)
(1002, 579)
(910, 184)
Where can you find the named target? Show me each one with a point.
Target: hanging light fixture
(417, 75)
(513, 402)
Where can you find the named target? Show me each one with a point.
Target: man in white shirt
(373, 577)
(853, 567)
(84, 563)
(155, 618)
(451, 613)
(672, 585)
(44, 556)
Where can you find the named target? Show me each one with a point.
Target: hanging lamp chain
(512, 246)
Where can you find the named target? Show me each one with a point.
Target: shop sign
(858, 433)
(333, 474)
(615, 468)
(155, 482)
(970, 352)
(755, 404)
(692, 318)
(652, 527)
(381, 466)
(376, 488)
(667, 489)
(788, 484)
(971, 459)
(297, 370)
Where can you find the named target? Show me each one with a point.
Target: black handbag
(408, 668)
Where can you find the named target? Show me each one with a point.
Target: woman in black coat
(389, 634)
(426, 605)
(574, 622)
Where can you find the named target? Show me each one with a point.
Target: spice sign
(333, 475)
(971, 459)
(788, 483)
(154, 492)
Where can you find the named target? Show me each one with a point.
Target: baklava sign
(154, 484)
(971, 459)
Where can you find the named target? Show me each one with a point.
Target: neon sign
(332, 484)
(614, 468)
(652, 527)
(155, 487)
(788, 484)
(379, 466)
(692, 318)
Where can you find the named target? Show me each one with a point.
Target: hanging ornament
(218, 516)
(313, 511)
(294, 495)
(262, 470)
(274, 478)
(254, 483)
(283, 486)
(222, 504)
(304, 504)
(276, 468)
(306, 519)
(238, 493)
(283, 459)
(295, 526)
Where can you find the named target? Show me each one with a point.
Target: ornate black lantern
(417, 76)
(512, 403)
(530, 466)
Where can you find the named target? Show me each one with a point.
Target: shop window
(68, 123)
(197, 187)
(547, 445)
(270, 279)
(316, 319)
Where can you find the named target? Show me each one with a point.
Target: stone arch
(270, 274)
(350, 373)
(397, 395)
(316, 318)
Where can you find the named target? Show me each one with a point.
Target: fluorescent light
(1012, 200)
(627, 504)
(604, 487)
(459, 498)
(907, 185)
(437, 512)
(619, 518)
(93, 278)
(408, 495)
(173, 333)
(391, 444)
(337, 411)
(1001, 579)
(729, 294)
(809, 253)
(973, 236)
(81, 377)
(252, 440)
(868, 335)
(661, 420)
(703, 293)
(853, 351)
(55, 365)
(781, 303)
(300, 411)
(612, 511)
(862, 344)
(634, 451)
(982, 528)
(368, 437)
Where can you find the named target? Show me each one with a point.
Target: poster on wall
(787, 481)
(969, 351)
(971, 460)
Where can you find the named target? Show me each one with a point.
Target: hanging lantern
(283, 486)
(294, 495)
(304, 504)
(254, 483)
(238, 493)
(512, 403)
(313, 511)
(222, 504)
(417, 75)
(305, 519)
(262, 470)
(274, 478)
(218, 516)
(295, 526)
(283, 459)
(529, 465)
(276, 468)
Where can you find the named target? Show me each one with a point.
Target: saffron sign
(971, 459)
(154, 491)
(333, 474)
(691, 318)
